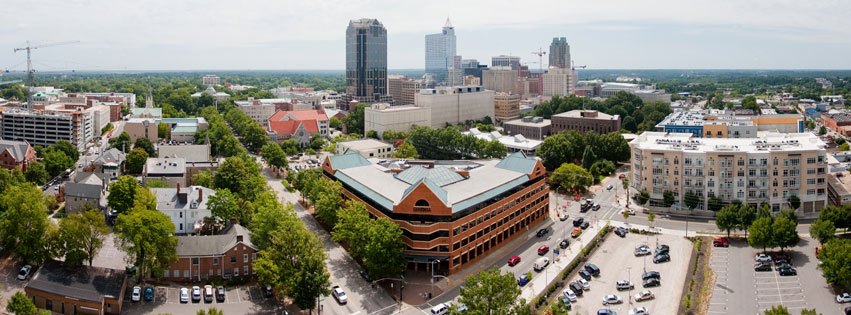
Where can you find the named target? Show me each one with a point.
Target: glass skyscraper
(366, 60)
(560, 53)
(440, 53)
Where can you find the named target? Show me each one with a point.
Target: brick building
(451, 213)
(77, 290)
(536, 128)
(16, 154)
(506, 106)
(839, 123)
(585, 121)
(227, 254)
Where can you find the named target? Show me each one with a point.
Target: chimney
(239, 238)
(178, 188)
(200, 195)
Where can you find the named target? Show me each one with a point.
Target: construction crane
(30, 71)
(540, 53)
(575, 66)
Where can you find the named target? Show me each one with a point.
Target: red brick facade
(8, 161)
(237, 262)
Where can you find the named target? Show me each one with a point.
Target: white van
(440, 309)
(541, 263)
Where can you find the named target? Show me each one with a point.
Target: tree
(354, 122)
(290, 146)
(21, 304)
(794, 202)
(571, 177)
(835, 256)
(36, 173)
(122, 193)
(822, 130)
(239, 176)
(372, 134)
(56, 161)
(777, 310)
(784, 233)
(628, 123)
(714, 204)
(491, 292)
(745, 216)
(274, 155)
(83, 234)
(384, 252)
(136, 160)
(650, 218)
(809, 312)
(789, 214)
(668, 198)
(691, 200)
(727, 218)
(66, 147)
(327, 198)
(211, 311)
(203, 178)
(224, 205)
(602, 168)
(405, 151)
(844, 147)
(352, 224)
(643, 197)
(588, 158)
(23, 223)
(316, 142)
(146, 145)
(122, 142)
(822, 230)
(254, 136)
(163, 131)
(625, 215)
(148, 238)
(335, 123)
(760, 234)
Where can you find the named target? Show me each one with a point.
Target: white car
(624, 285)
(612, 299)
(562, 216)
(184, 295)
(196, 294)
(609, 187)
(763, 258)
(639, 311)
(570, 295)
(25, 272)
(585, 284)
(136, 296)
(339, 295)
(644, 296)
(642, 250)
(630, 211)
(843, 298)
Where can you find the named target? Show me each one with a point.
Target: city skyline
(662, 34)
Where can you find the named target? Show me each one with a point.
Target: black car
(542, 232)
(664, 250)
(564, 244)
(651, 275)
(762, 267)
(220, 293)
(578, 221)
(584, 225)
(576, 288)
(789, 271)
(365, 276)
(593, 269)
(848, 310)
(585, 275)
(661, 258)
(620, 232)
(782, 266)
(652, 282)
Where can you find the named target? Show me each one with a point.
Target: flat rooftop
(764, 142)
(521, 122)
(364, 144)
(586, 114)
(79, 282)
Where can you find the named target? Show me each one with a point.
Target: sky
(309, 34)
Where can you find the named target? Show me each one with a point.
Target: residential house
(227, 254)
(78, 289)
(109, 165)
(186, 206)
(16, 154)
(86, 189)
(170, 170)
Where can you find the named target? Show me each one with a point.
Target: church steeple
(149, 98)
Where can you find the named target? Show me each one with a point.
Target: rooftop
(208, 245)
(192, 197)
(165, 166)
(529, 122)
(79, 282)
(840, 117)
(516, 141)
(18, 149)
(764, 142)
(587, 114)
(189, 152)
(840, 182)
(364, 144)
(88, 186)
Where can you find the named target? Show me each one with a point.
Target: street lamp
(432, 277)
(629, 278)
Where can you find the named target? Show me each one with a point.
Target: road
(363, 299)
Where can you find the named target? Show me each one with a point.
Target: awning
(424, 258)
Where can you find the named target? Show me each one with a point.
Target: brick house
(78, 289)
(227, 254)
(16, 154)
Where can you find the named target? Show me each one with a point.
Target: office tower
(560, 53)
(558, 82)
(366, 61)
(506, 61)
(500, 79)
(440, 53)
(402, 89)
(456, 104)
(506, 106)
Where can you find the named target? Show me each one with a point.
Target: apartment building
(559, 82)
(501, 79)
(368, 148)
(725, 124)
(225, 255)
(402, 89)
(261, 109)
(453, 105)
(586, 121)
(186, 206)
(452, 213)
(506, 106)
(768, 169)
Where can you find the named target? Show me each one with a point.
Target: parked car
(578, 221)
(595, 207)
(585, 275)
(624, 285)
(365, 276)
(576, 288)
(136, 295)
(562, 216)
(604, 311)
(781, 266)
(220, 293)
(651, 275)
(565, 302)
(721, 242)
(514, 260)
(609, 187)
(662, 249)
(542, 232)
(196, 294)
(543, 250)
(149, 293)
(25, 271)
(208, 293)
(762, 267)
(569, 294)
(564, 244)
(541, 263)
(661, 258)
(843, 298)
(339, 294)
(620, 231)
(576, 232)
(642, 250)
(630, 211)
(593, 269)
(788, 271)
(584, 284)
(763, 258)
(584, 225)
(653, 282)
(644, 296)
(612, 299)
(641, 310)
(522, 280)
(184, 295)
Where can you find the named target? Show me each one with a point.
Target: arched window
(421, 203)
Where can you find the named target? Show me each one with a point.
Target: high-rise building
(402, 89)
(472, 67)
(558, 82)
(440, 52)
(500, 79)
(366, 61)
(506, 61)
(456, 104)
(506, 106)
(560, 53)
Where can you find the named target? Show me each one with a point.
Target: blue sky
(293, 35)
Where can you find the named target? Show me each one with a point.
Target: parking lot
(616, 261)
(246, 299)
(741, 290)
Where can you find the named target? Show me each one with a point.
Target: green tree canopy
(691, 200)
(354, 122)
(571, 177)
(36, 173)
(122, 193)
(643, 197)
(83, 234)
(405, 151)
(836, 262)
(823, 230)
(148, 238)
(21, 304)
(136, 160)
(274, 155)
(66, 147)
(146, 145)
(492, 292)
(777, 310)
(784, 233)
(727, 219)
(122, 142)
(56, 161)
(23, 223)
(760, 234)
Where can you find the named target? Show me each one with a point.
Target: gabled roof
(213, 245)
(517, 162)
(79, 282)
(348, 160)
(88, 186)
(439, 176)
(299, 115)
(111, 156)
(432, 186)
(18, 149)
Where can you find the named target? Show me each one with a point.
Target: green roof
(438, 175)
(185, 129)
(489, 194)
(348, 160)
(439, 192)
(369, 193)
(517, 162)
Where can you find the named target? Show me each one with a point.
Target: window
(233, 259)
(245, 258)
(253, 256)
(195, 260)
(176, 273)
(236, 272)
(186, 274)
(181, 227)
(215, 260)
(180, 214)
(245, 270)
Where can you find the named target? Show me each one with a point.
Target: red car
(721, 242)
(543, 250)
(513, 260)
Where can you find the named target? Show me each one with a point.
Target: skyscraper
(440, 53)
(366, 61)
(560, 53)
(506, 61)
